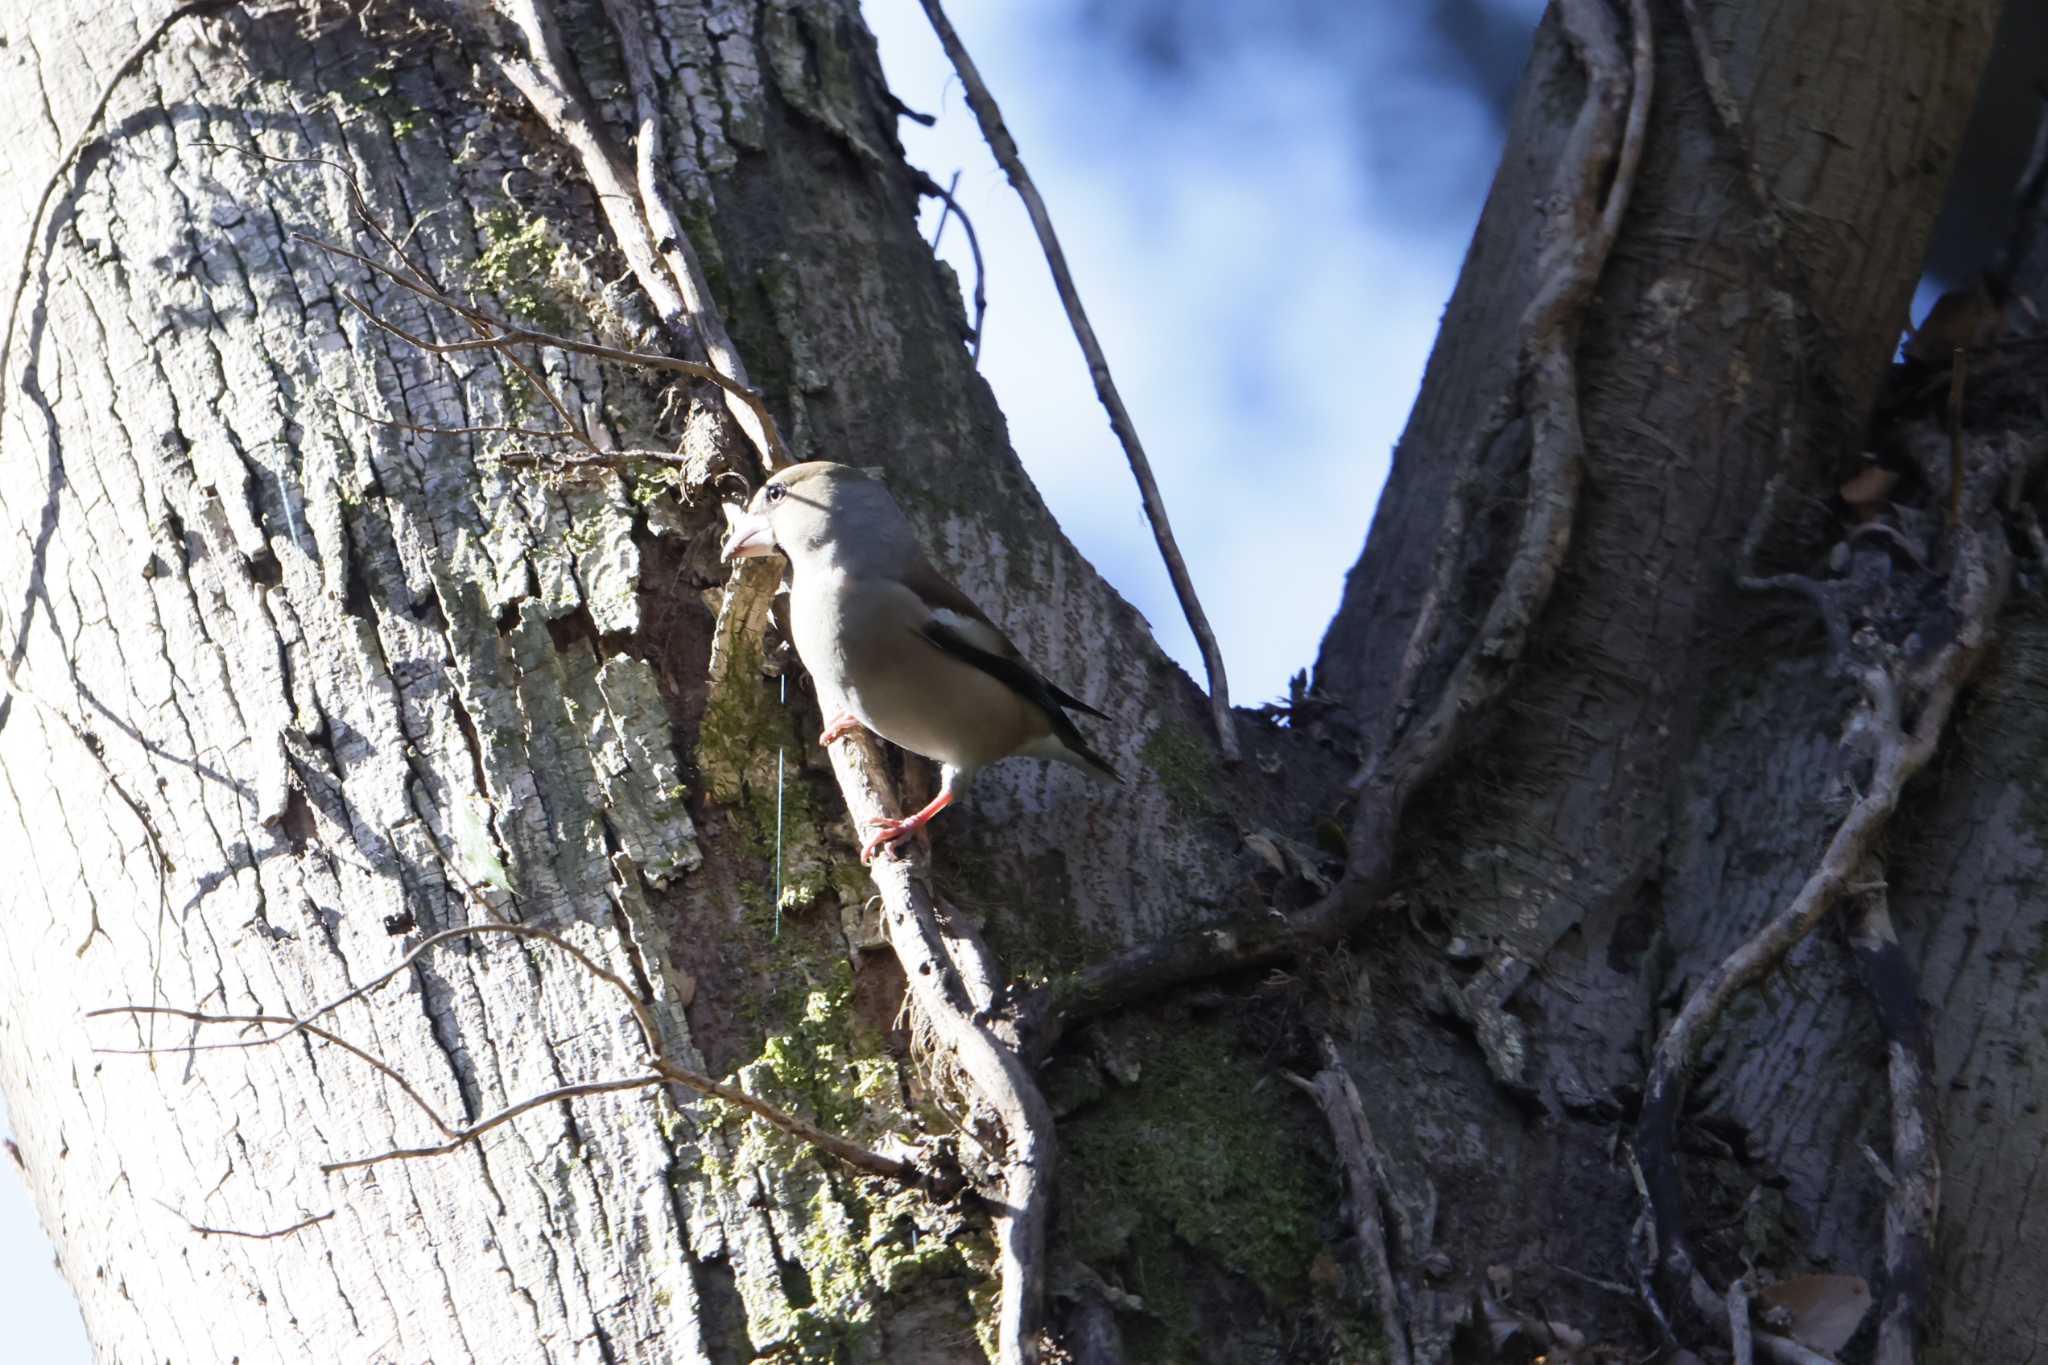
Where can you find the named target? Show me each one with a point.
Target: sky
(1265, 210)
(1265, 273)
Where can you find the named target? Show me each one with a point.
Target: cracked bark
(360, 681)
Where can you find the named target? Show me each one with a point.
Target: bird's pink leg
(889, 830)
(838, 728)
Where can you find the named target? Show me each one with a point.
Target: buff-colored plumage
(892, 645)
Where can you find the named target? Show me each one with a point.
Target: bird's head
(818, 509)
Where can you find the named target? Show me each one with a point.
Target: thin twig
(950, 979)
(945, 211)
(418, 279)
(852, 1153)
(480, 429)
(80, 140)
(930, 188)
(644, 1017)
(272, 1235)
(1594, 181)
(1358, 1157)
(604, 460)
(1978, 583)
(464, 1136)
(506, 334)
(1913, 1178)
(289, 1022)
(646, 230)
(12, 686)
(1004, 146)
(663, 1069)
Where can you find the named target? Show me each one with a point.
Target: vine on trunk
(1903, 706)
(1594, 180)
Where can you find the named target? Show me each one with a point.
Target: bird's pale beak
(746, 535)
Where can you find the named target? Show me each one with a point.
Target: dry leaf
(1825, 1310)
(1871, 485)
(1960, 319)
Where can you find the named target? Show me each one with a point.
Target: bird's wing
(955, 626)
(961, 629)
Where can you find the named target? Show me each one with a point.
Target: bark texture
(357, 684)
(361, 685)
(1669, 767)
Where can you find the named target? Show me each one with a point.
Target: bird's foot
(890, 832)
(838, 728)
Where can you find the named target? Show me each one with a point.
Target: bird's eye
(775, 492)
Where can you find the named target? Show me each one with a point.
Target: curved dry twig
(503, 333)
(1913, 1177)
(192, 9)
(951, 979)
(930, 188)
(1359, 1158)
(290, 1022)
(1901, 750)
(420, 280)
(311, 1220)
(1004, 146)
(1594, 181)
(466, 1135)
(661, 1067)
(645, 228)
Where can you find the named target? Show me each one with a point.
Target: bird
(893, 646)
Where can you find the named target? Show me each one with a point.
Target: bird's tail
(1071, 747)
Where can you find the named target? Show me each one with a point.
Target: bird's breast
(862, 642)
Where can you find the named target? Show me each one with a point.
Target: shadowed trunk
(356, 684)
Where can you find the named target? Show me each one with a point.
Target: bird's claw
(842, 725)
(889, 832)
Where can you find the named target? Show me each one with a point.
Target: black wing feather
(1025, 681)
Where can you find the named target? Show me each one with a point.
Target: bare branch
(416, 278)
(272, 1235)
(487, 338)
(852, 1153)
(1359, 1157)
(930, 188)
(505, 334)
(288, 1022)
(662, 1069)
(480, 429)
(645, 228)
(465, 1136)
(1005, 148)
(300, 1023)
(1913, 1179)
(192, 9)
(1977, 583)
(610, 460)
(1608, 134)
(12, 686)
(950, 979)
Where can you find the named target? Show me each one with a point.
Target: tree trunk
(298, 679)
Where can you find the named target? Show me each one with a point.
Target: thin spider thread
(779, 752)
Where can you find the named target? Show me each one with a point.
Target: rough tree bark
(290, 687)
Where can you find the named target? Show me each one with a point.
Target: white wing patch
(979, 634)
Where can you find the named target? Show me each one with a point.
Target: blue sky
(1266, 275)
(1264, 237)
